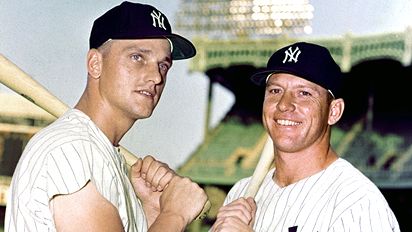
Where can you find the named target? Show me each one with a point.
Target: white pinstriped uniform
(61, 159)
(339, 198)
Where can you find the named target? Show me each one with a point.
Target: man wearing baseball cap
(310, 188)
(71, 176)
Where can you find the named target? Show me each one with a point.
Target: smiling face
(297, 113)
(133, 75)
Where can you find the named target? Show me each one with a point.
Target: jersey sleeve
(69, 168)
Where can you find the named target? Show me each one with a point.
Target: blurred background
(207, 124)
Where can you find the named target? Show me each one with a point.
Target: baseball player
(71, 176)
(310, 188)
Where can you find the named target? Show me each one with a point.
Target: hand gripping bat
(20, 82)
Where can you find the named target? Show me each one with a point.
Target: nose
(153, 74)
(286, 103)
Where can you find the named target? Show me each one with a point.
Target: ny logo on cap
(158, 19)
(292, 55)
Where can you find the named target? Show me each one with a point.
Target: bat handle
(128, 156)
(204, 211)
(262, 168)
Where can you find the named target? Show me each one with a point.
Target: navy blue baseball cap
(138, 21)
(305, 60)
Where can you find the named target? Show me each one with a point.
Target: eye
(136, 57)
(164, 67)
(305, 93)
(275, 90)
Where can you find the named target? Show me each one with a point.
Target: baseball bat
(262, 168)
(20, 82)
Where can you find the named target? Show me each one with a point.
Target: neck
(113, 126)
(292, 167)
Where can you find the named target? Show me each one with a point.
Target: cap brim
(260, 77)
(182, 47)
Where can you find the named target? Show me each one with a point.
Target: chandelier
(244, 18)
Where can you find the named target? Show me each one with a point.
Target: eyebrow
(134, 48)
(313, 88)
(300, 86)
(145, 51)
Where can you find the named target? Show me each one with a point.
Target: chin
(141, 112)
(141, 115)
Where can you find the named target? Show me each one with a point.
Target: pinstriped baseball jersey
(339, 198)
(61, 159)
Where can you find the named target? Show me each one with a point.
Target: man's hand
(180, 203)
(156, 174)
(170, 201)
(149, 177)
(183, 197)
(236, 216)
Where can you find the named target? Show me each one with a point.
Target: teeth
(145, 93)
(284, 122)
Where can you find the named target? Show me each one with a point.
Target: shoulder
(359, 199)
(65, 153)
(350, 178)
(73, 128)
(350, 183)
(364, 213)
(240, 187)
(71, 123)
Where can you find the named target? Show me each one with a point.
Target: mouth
(285, 122)
(146, 93)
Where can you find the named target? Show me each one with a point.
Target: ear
(336, 110)
(94, 63)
